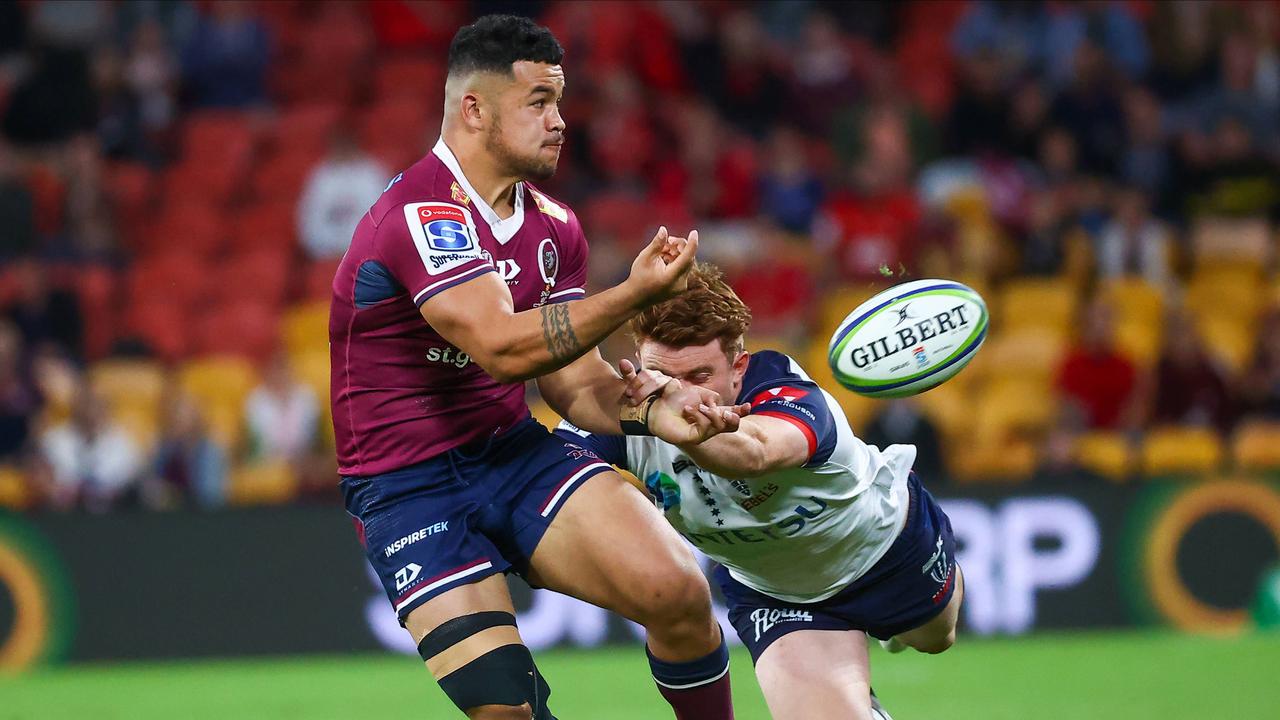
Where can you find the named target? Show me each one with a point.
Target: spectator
(150, 71)
(1189, 386)
(188, 464)
(790, 191)
(45, 314)
(1146, 162)
(17, 209)
(1059, 462)
(902, 422)
(1089, 108)
(1133, 243)
(20, 400)
(1261, 385)
(282, 414)
(980, 116)
(1096, 378)
(340, 190)
(1119, 35)
(224, 63)
(92, 462)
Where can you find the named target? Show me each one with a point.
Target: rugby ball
(909, 338)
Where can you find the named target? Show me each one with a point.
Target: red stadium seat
(175, 278)
(217, 182)
(305, 129)
(269, 224)
(130, 188)
(418, 80)
(281, 179)
(164, 326)
(191, 226)
(208, 135)
(400, 120)
(261, 275)
(318, 284)
(244, 328)
(95, 285)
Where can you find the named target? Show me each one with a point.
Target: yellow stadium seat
(1228, 340)
(838, 302)
(950, 407)
(1256, 447)
(543, 413)
(1037, 303)
(1108, 454)
(994, 462)
(857, 408)
(1135, 300)
(14, 493)
(1233, 294)
(312, 369)
(1029, 352)
(128, 382)
(220, 385)
(1139, 340)
(270, 483)
(306, 328)
(1181, 451)
(1012, 406)
(1219, 241)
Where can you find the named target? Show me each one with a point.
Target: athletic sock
(698, 689)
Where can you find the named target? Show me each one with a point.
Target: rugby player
(821, 539)
(463, 281)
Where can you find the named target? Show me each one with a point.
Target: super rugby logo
(443, 235)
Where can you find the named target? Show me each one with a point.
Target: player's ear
(473, 111)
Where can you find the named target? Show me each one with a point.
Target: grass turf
(1125, 676)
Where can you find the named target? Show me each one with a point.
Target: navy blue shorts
(905, 589)
(474, 511)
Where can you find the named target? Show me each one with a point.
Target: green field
(1094, 676)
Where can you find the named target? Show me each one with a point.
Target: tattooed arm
(479, 318)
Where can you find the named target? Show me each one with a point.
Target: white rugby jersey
(797, 534)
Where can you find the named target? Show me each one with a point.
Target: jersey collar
(503, 229)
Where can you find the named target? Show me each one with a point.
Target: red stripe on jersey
(804, 427)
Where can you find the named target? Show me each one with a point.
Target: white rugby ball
(909, 338)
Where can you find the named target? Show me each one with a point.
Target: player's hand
(689, 414)
(639, 384)
(661, 270)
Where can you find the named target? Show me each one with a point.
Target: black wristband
(635, 420)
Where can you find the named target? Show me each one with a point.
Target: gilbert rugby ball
(909, 338)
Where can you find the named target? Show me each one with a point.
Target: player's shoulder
(418, 191)
(769, 366)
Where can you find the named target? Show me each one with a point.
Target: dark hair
(494, 42)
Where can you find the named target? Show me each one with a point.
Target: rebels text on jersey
(400, 392)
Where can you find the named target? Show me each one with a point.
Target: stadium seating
(14, 493)
(311, 367)
(262, 484)
(1031, 353)
(220, 385)
(1256, 447)
(1039, 303)
(260, 275)
(306, 328)
(1010, 461)
(247, 328)
(270, 224)
(134, 390)
(1229, 340)
(1140, 340)
(162, 325)
(1134, 300)
(1108, 454)
(1231, 242)
(1178, 451)
(1009, 407)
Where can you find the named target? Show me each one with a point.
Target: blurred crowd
(178, 180)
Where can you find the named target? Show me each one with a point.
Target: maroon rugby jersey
(400, 392)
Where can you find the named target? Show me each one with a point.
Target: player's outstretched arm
(479, 316)
(760, 446)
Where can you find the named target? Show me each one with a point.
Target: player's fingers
(688, 253)
(659, 241)
(714, 417)
(627, 368)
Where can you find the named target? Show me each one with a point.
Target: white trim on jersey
(456, 278)
(570, 291)
(573, 480)
(444, 581)
(503, 229)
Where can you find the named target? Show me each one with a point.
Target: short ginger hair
(708, 309)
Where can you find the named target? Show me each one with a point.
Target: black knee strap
(505, 676)
(458, 629)
(502, 676)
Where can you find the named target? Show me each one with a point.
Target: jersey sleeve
(799, 401)
(430, 247)
(571, 279)
(610, 448)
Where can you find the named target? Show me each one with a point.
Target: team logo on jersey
(456, 193)
(664, 489)
(443, 235)
(507, 269)
(549, 258)
(548, 207)
(786, 392)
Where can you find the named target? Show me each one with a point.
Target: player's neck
(494, 187)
